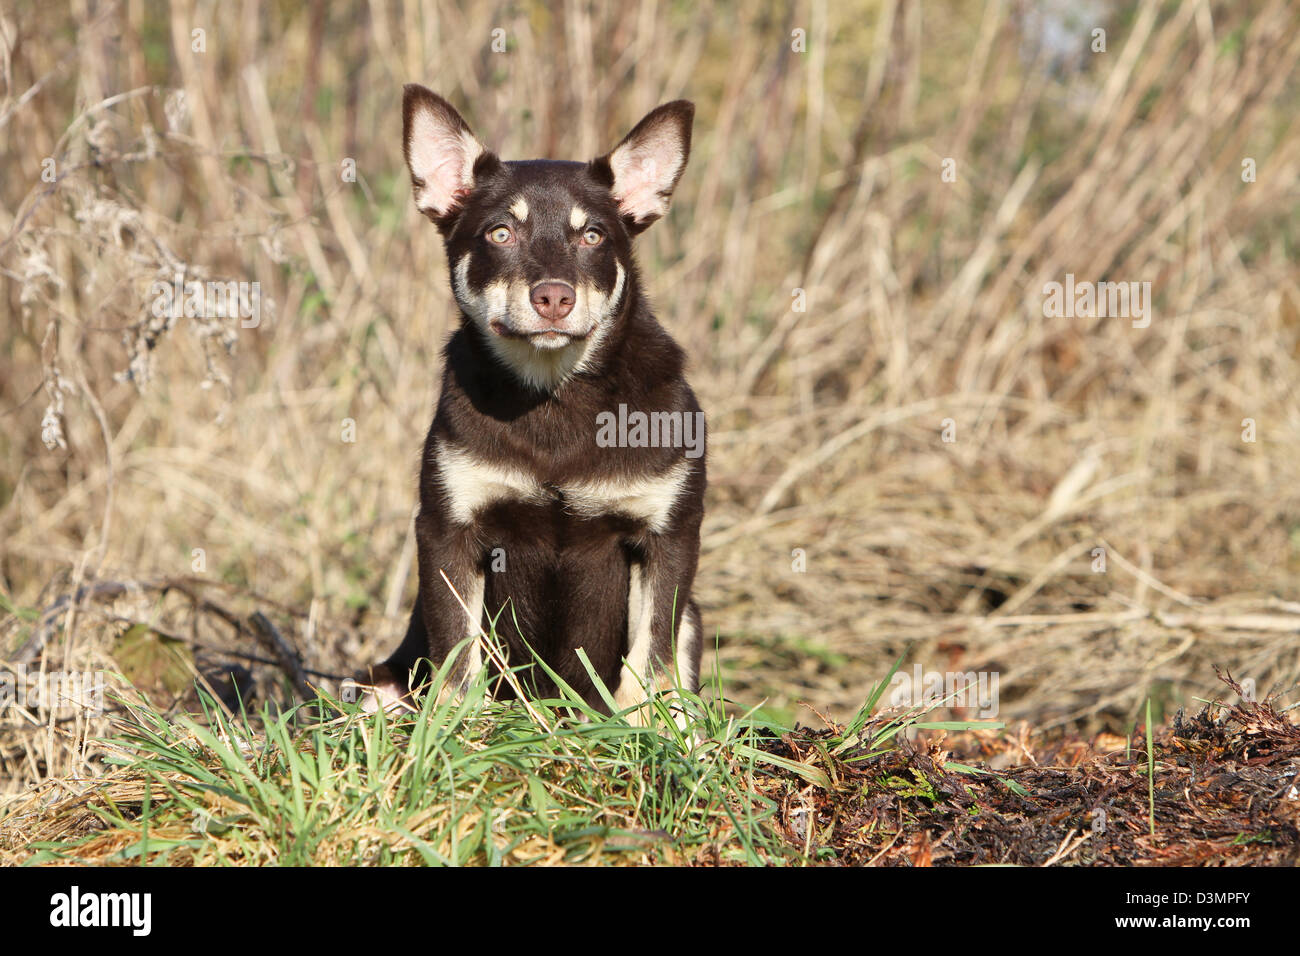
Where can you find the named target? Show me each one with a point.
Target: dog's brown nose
(552, 300)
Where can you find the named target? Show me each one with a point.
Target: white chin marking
(550, 340)
(536, 363)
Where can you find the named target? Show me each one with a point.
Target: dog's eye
(501, 235)
(592, 237)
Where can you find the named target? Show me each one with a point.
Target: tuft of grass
(465, 780)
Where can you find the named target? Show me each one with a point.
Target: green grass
(466, 781)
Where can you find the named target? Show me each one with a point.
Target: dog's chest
(471, 484)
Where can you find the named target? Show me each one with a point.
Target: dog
(562, 482)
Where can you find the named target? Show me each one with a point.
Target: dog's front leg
(438, 621)
(663, 649)
(451, 594)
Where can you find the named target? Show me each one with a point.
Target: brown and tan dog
(562, 483)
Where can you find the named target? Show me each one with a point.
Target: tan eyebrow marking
(519, 209)
(577, 217)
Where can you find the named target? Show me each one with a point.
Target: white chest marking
(649, 499)
(471, 485)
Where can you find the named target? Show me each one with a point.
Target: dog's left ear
(645, 167)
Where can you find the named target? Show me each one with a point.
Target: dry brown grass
(818, 171)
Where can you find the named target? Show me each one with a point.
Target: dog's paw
(377, 689)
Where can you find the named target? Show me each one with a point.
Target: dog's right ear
(441, 153)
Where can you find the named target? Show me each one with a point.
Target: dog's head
(541, 251)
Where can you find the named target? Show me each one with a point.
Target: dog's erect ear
(646, 166)
(440, 153)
